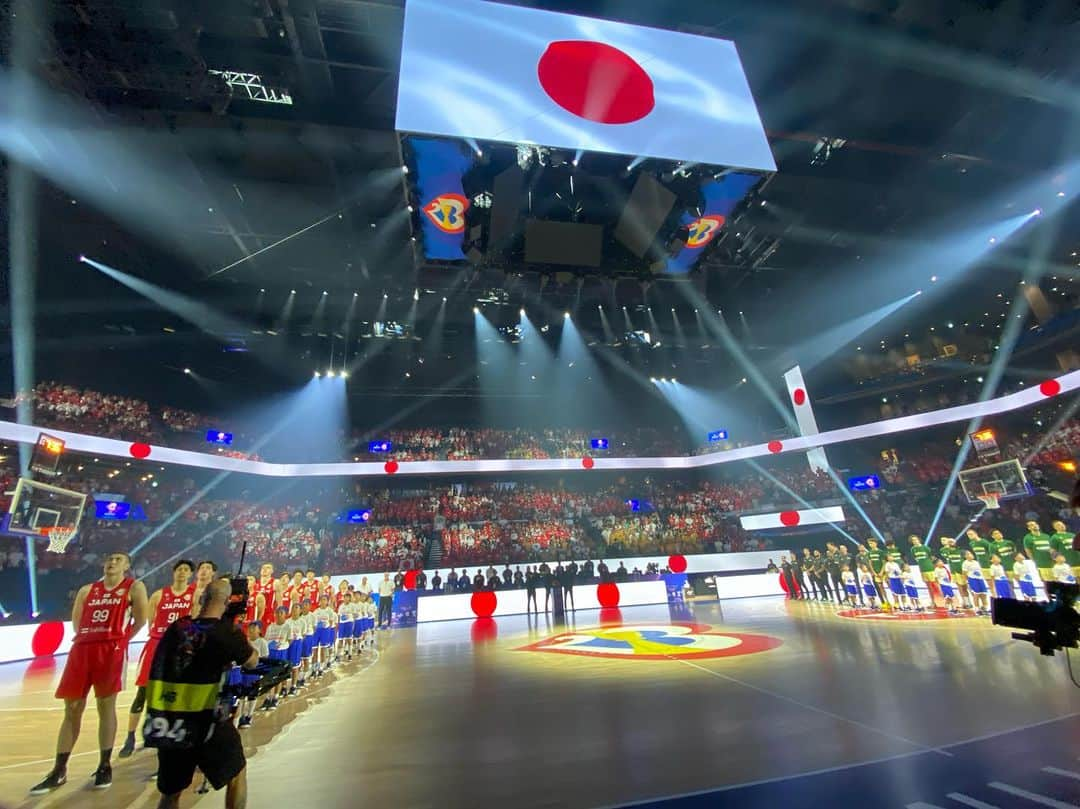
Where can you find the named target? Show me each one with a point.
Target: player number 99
(99, 616)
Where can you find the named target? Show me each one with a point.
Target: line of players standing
(299, 618)
(955, 576)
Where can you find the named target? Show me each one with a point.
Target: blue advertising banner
(440, 165)
(676, 596)
(721, 197)
(404, 609)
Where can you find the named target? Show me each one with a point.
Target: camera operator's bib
(181, 701)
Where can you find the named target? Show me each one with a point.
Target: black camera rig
(1052, 625)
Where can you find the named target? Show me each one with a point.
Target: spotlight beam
(720, 327)
(1006, 344)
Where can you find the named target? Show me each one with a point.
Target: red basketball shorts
(99, 664)
(145, 659)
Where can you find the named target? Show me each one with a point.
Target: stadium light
(344, 374)
(330, 373)
(317, 375)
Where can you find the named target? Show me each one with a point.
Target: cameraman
(221, 756)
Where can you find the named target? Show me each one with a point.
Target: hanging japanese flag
(488, 71)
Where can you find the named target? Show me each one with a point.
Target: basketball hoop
(59, 537)
(990, 501)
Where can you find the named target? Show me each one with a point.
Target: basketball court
(778, 703)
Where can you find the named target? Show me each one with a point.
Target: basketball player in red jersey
(106, 615)
(204, 574)
(267, 592)
(166, 605)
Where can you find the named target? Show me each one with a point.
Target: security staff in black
(832, 562)
(799, 578)
(187, 721)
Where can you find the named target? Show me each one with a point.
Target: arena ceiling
(887, 119)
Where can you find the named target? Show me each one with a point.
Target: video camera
(238, 599)
(266, 676)
(1053, 625)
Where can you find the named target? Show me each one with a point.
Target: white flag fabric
(791, 519)
(473, 69)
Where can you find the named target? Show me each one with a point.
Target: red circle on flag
(47, 637)
(1051, 387)
(410, 579)
(596, 82)
(139, 450)
(391, 467)
(676, 563)
(607, 593)
(790, 518)
(588, 463)
(775, 446)
(483, 603)
(799, 396)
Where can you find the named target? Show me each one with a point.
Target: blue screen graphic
(599, 443)
(356, 515)
(380, 446)
(111, 510)
(718, 435)
(217, 437)
(440, 165)
(721, 198)
(864, 483)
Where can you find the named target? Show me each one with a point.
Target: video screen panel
(490, 71)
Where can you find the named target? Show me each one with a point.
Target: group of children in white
(311, 641)
(971, 587)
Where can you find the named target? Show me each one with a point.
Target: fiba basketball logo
(654, 642)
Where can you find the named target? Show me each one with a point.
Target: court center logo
(447, 212)
(653, 642)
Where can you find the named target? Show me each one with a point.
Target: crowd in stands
(477, 522)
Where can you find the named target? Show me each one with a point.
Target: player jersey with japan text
(106, 614)
(171, 607)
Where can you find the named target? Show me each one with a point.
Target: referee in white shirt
(386, 600)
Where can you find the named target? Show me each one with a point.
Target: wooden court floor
(601, 711)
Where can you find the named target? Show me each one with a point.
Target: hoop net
(990, 501)
(59, 537)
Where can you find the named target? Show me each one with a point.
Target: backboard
(1006, 479)
(37, 506)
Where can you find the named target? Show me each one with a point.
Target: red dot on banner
(1051, 387)
(410, 579)
(139, 450)
(47, 638)
(483, 603)
(391, 467)
(677, 563)
(607, 593)
(588, 463)
(790, 518)
(799, 396)
(775, 446)
(596, 81)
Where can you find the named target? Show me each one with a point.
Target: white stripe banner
(793, 518)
